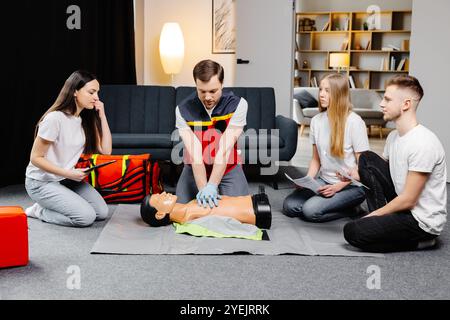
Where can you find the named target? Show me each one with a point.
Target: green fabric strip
(196, 230)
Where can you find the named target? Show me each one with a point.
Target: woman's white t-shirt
(355, 140)
(67, 135)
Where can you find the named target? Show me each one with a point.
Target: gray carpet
(126, 233)
(53, 249)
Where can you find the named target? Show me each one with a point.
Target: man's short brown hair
(206, 69)
(407, 82)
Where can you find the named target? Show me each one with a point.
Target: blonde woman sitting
(338, 136)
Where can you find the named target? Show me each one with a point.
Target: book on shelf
(352, 82)
(401, 64)
(405, 45)
(366, 84)
(314, 82)
(368, 45)
(346, 24)
(326, 26)
(344, 45)
(395, 48)
(392, 67)
(406, 67)
(384, 66)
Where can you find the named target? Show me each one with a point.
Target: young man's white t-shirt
(355, 140)
(67, 135)
(420, 150)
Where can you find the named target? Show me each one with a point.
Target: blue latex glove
(208, 195)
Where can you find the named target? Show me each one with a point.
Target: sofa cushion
(139, 109)
(310, 112)
(306, 100)
(141, 140)
(369, 114)
(365, 99)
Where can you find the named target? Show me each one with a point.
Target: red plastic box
(13, 237)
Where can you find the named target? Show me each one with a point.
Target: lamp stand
(172, 76)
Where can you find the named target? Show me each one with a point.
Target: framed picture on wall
(223, 26)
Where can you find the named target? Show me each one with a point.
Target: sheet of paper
(343, 171)
(306, 182)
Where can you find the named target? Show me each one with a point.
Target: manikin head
(156, 209)
(402, 96)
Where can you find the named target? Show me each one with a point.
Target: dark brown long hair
(65, 102)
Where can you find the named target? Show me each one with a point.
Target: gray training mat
(126, 233)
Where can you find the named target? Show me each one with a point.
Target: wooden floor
(304, 148)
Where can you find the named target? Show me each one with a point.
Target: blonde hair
(338, 110)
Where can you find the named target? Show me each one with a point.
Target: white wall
(195, 19)
(430, 63)
(351, 5)
(268, 47)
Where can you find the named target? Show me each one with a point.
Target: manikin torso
(240, 208)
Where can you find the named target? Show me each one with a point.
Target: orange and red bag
(128, 180)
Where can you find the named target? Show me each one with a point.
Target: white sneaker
(34, 211)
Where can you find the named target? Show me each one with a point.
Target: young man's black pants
(392, 232)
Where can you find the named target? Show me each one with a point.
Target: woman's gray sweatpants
(232, 184)
(67, 202)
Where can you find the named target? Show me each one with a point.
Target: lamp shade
(339, 60)
(171, 48)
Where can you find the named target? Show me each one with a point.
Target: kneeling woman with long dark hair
(75, 123)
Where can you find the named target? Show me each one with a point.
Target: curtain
(42, 51)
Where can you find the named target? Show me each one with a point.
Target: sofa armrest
(297, 112)
(288, 130)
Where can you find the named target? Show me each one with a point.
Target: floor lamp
(171, 48)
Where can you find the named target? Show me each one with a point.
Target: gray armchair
(366, 103)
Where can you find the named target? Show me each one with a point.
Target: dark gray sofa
(142, 120)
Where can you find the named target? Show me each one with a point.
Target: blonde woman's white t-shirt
(68, 140)
(355, 140)
(420, 150)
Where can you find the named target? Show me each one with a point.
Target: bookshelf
(377, 51)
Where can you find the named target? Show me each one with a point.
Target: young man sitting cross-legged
(408, 193)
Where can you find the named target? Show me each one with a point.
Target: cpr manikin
(162, 209)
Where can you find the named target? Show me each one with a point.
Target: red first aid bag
(127, 180)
